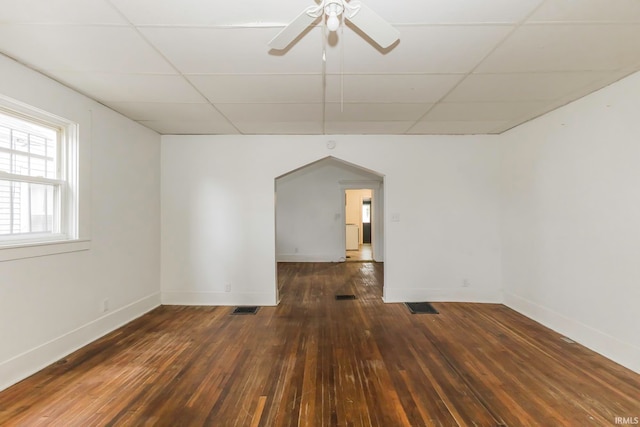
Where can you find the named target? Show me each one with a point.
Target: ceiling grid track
(500, 43)
(176, 69)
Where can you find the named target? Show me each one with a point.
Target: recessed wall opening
(321, 206)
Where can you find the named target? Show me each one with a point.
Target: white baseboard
(395, 295)
(26, 364)
(309, 258)
(598, 341)
(219, 298)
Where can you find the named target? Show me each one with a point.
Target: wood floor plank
(317, 361)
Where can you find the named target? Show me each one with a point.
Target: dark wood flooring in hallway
(318, 361)
(364, 253)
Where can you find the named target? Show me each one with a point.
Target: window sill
(34, 250)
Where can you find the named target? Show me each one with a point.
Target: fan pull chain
(324, 76)
(342, 66)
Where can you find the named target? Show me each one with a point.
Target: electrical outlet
(227, 287)
(465, 283)
(105, 305)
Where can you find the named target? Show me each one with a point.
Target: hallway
(365, 253)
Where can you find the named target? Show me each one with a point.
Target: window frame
(66, 181)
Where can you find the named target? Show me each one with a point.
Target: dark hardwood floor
(317, 361)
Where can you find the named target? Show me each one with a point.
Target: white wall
(571, 237)
(309, 211)
(51, 305)
(218, 214)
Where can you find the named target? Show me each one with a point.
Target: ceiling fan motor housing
(333, 7)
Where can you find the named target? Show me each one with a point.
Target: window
(37, 183)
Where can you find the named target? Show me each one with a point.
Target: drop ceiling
(203, 67)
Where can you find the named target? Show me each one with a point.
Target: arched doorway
(310, 211)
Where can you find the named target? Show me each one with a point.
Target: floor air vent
(245, 310)
(345, 297)
(421, 308)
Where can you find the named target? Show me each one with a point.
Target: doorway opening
(358, 225)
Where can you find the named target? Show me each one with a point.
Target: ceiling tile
(422, 49)
(453, 11)
(534, 48)
(59, 12)
(271, 112)
(235, 51)
(336, 112)
(461, 66)
(393, 88)
(458, 127)
(266, 88)
(588, 11)
(210, 13)
(152, 111)
(482, 111)
(367, 128)
(521, 86)
(131, 87)
(177, 127)
(81, 48)
(280, 128)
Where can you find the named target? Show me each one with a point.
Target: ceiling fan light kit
(332, 10)
(370, 23)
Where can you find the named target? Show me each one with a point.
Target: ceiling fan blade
(292, 31)
(379, 30)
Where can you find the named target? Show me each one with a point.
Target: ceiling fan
(370, 23)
